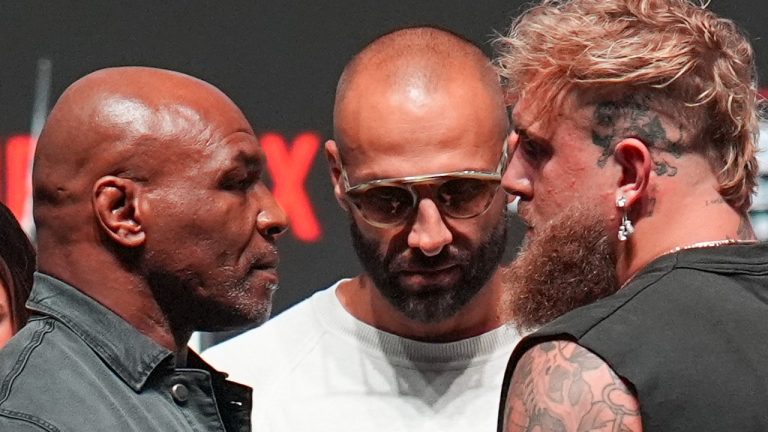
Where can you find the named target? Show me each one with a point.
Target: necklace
(708, 244)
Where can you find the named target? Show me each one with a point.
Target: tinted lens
(384, 204)
(466, 197)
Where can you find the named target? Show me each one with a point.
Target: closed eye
(240, 179)
(532, 150)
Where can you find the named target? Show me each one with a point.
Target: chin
(421, 284)
(228, 317)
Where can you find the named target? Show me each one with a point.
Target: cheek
(468, 234)
(6, 330)
(6, 324)
(212, 233)
(565, 182)
(385, 241)
(383, 238)
(488, 221)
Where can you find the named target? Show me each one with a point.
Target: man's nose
(429, 232)
(272, 219)
(515, 180)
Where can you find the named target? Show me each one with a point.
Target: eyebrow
(248, 158)
(535, 137)
(249, 161)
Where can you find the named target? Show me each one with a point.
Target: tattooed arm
(561, 386)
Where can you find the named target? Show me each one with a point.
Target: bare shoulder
(561, 386)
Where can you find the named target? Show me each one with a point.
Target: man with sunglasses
(415, 342)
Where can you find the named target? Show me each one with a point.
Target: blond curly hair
(695, 64)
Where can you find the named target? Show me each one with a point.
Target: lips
(426, 270)
(418, 280)
(268, 261)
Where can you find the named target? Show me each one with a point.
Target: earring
(625, 229)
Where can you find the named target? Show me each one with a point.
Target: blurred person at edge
(17, 266)
(416, 342)
(634, 162)
(133, 166)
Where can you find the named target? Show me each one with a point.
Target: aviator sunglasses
(386, 203)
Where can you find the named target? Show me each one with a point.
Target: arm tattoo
(632, 117)
(562, 387)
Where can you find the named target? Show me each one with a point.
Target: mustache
(524, 213)
(266, 259)
(450, 255)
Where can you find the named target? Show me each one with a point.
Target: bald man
(152, 222)
(415, 342)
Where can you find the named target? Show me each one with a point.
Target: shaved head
(420, 102)
(135, 164)
(414, 66)
(111, 122)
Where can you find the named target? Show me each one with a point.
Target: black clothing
(77, 367)
(689, 333)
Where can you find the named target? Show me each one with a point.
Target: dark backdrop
(279, 61)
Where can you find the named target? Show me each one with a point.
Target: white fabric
(317, 368)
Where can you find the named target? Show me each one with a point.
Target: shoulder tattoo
(562, 387)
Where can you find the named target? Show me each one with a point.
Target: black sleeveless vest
(689, 333)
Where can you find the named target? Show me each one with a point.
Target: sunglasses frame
(408, 182)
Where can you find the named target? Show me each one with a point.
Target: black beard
(433, 303)
(569, 262)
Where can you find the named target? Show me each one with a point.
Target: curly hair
(695, 64)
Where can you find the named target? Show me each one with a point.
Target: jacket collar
(132, 355)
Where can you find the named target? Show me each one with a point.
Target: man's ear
(115, 201)
(334, 164)
(635, 161)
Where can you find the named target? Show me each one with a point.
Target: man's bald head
(420, 102)
(136, 164)
(412, 65)
(111, 122)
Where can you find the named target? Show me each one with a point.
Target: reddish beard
(566, 263)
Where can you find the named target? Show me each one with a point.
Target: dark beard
(569, 262)
(432, 304)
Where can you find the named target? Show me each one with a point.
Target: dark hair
(17, 266)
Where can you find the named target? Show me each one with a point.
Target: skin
(402, 110)
(157, 162)
(6, 318)
(590, 155)
(17, 267)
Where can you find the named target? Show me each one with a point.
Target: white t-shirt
(317, 368)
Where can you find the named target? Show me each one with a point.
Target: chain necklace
(709, 244)
(699, 245)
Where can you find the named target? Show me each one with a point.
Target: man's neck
(125, 294)
(360, 297)
(685, 223)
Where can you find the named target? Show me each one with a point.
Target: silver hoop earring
(625, 228)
